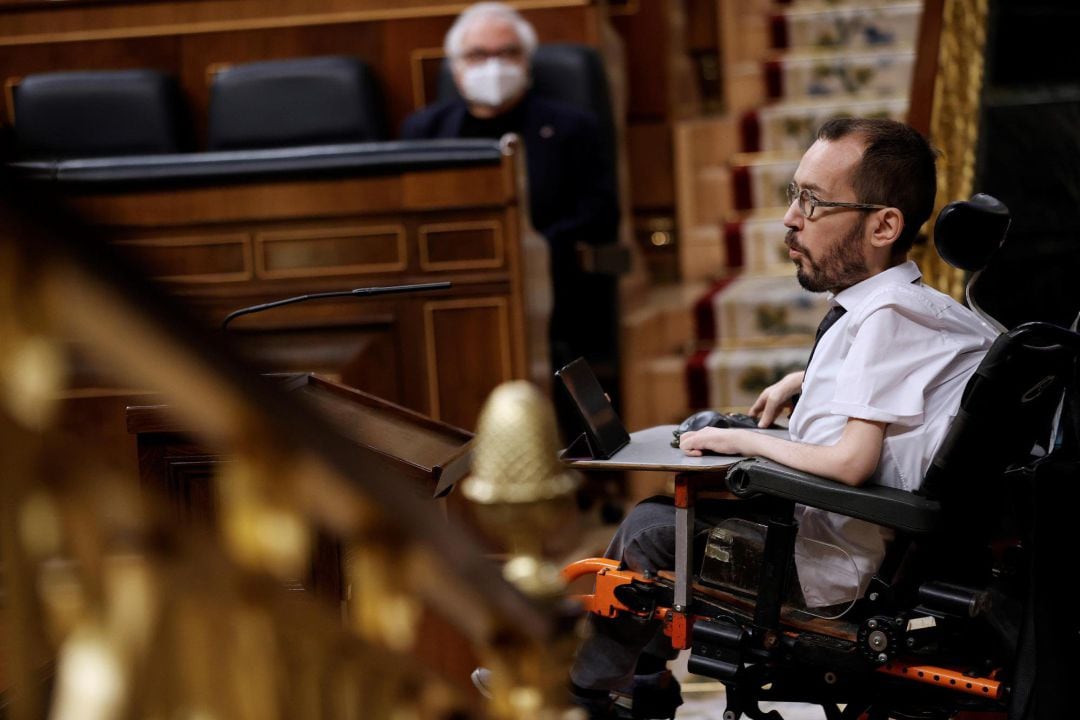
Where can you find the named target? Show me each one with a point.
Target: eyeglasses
(808, 201)
(476, 56)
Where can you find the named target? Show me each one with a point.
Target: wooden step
(754, 243)
(791, 126)
(850, 27)
(885, 73)
(735, 377)
(766, 311)
(760, 180)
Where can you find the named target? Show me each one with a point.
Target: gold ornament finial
(522, 494)
(516, 454)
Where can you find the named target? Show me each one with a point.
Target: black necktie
(834, 314)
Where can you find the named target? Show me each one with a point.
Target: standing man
(882, 385)
(572, 197)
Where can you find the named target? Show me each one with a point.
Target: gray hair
(482, 11)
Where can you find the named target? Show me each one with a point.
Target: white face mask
(493, 82)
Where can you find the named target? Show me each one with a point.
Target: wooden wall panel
(44, 21)
(4, 653)
(468, 353)
(453, 188)
(461, 245)
(408, 80)
(332, 250)
(652, 160)
(644, 29)
(207, 258)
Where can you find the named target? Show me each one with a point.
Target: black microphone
(358, 292)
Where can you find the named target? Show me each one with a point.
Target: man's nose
(793, 218)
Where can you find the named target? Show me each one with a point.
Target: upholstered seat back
(1008, 404)
(300, 101)
(98, 113)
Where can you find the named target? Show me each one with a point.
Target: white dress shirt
(901, 355)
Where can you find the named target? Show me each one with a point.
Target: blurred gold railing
(113, 610)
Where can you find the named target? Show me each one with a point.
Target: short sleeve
(897, 354)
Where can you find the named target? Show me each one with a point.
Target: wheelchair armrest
(893, 508)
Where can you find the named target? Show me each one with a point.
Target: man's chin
(807, 282)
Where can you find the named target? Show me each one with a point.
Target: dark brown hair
(897, 169)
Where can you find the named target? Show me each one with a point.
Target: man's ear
(886, 227)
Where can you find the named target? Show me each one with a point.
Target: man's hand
(717, 440)
(776, 397)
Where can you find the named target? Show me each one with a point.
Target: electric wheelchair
(963, 615)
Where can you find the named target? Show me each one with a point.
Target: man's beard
(841, 267)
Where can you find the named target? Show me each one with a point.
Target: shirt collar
(904, 273)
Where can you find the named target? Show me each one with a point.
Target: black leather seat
(300, 101)
(98, 113)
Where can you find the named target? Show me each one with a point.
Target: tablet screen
(602, 425)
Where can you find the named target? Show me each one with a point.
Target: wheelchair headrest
(968, 232)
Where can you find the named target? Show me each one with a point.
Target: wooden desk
(236, 242)
(428, 455)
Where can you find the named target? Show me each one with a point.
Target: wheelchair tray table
(650, 450)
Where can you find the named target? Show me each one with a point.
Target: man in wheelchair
(849, 609)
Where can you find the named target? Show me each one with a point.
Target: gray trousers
(644, 541)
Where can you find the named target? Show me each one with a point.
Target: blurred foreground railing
(112, 609)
